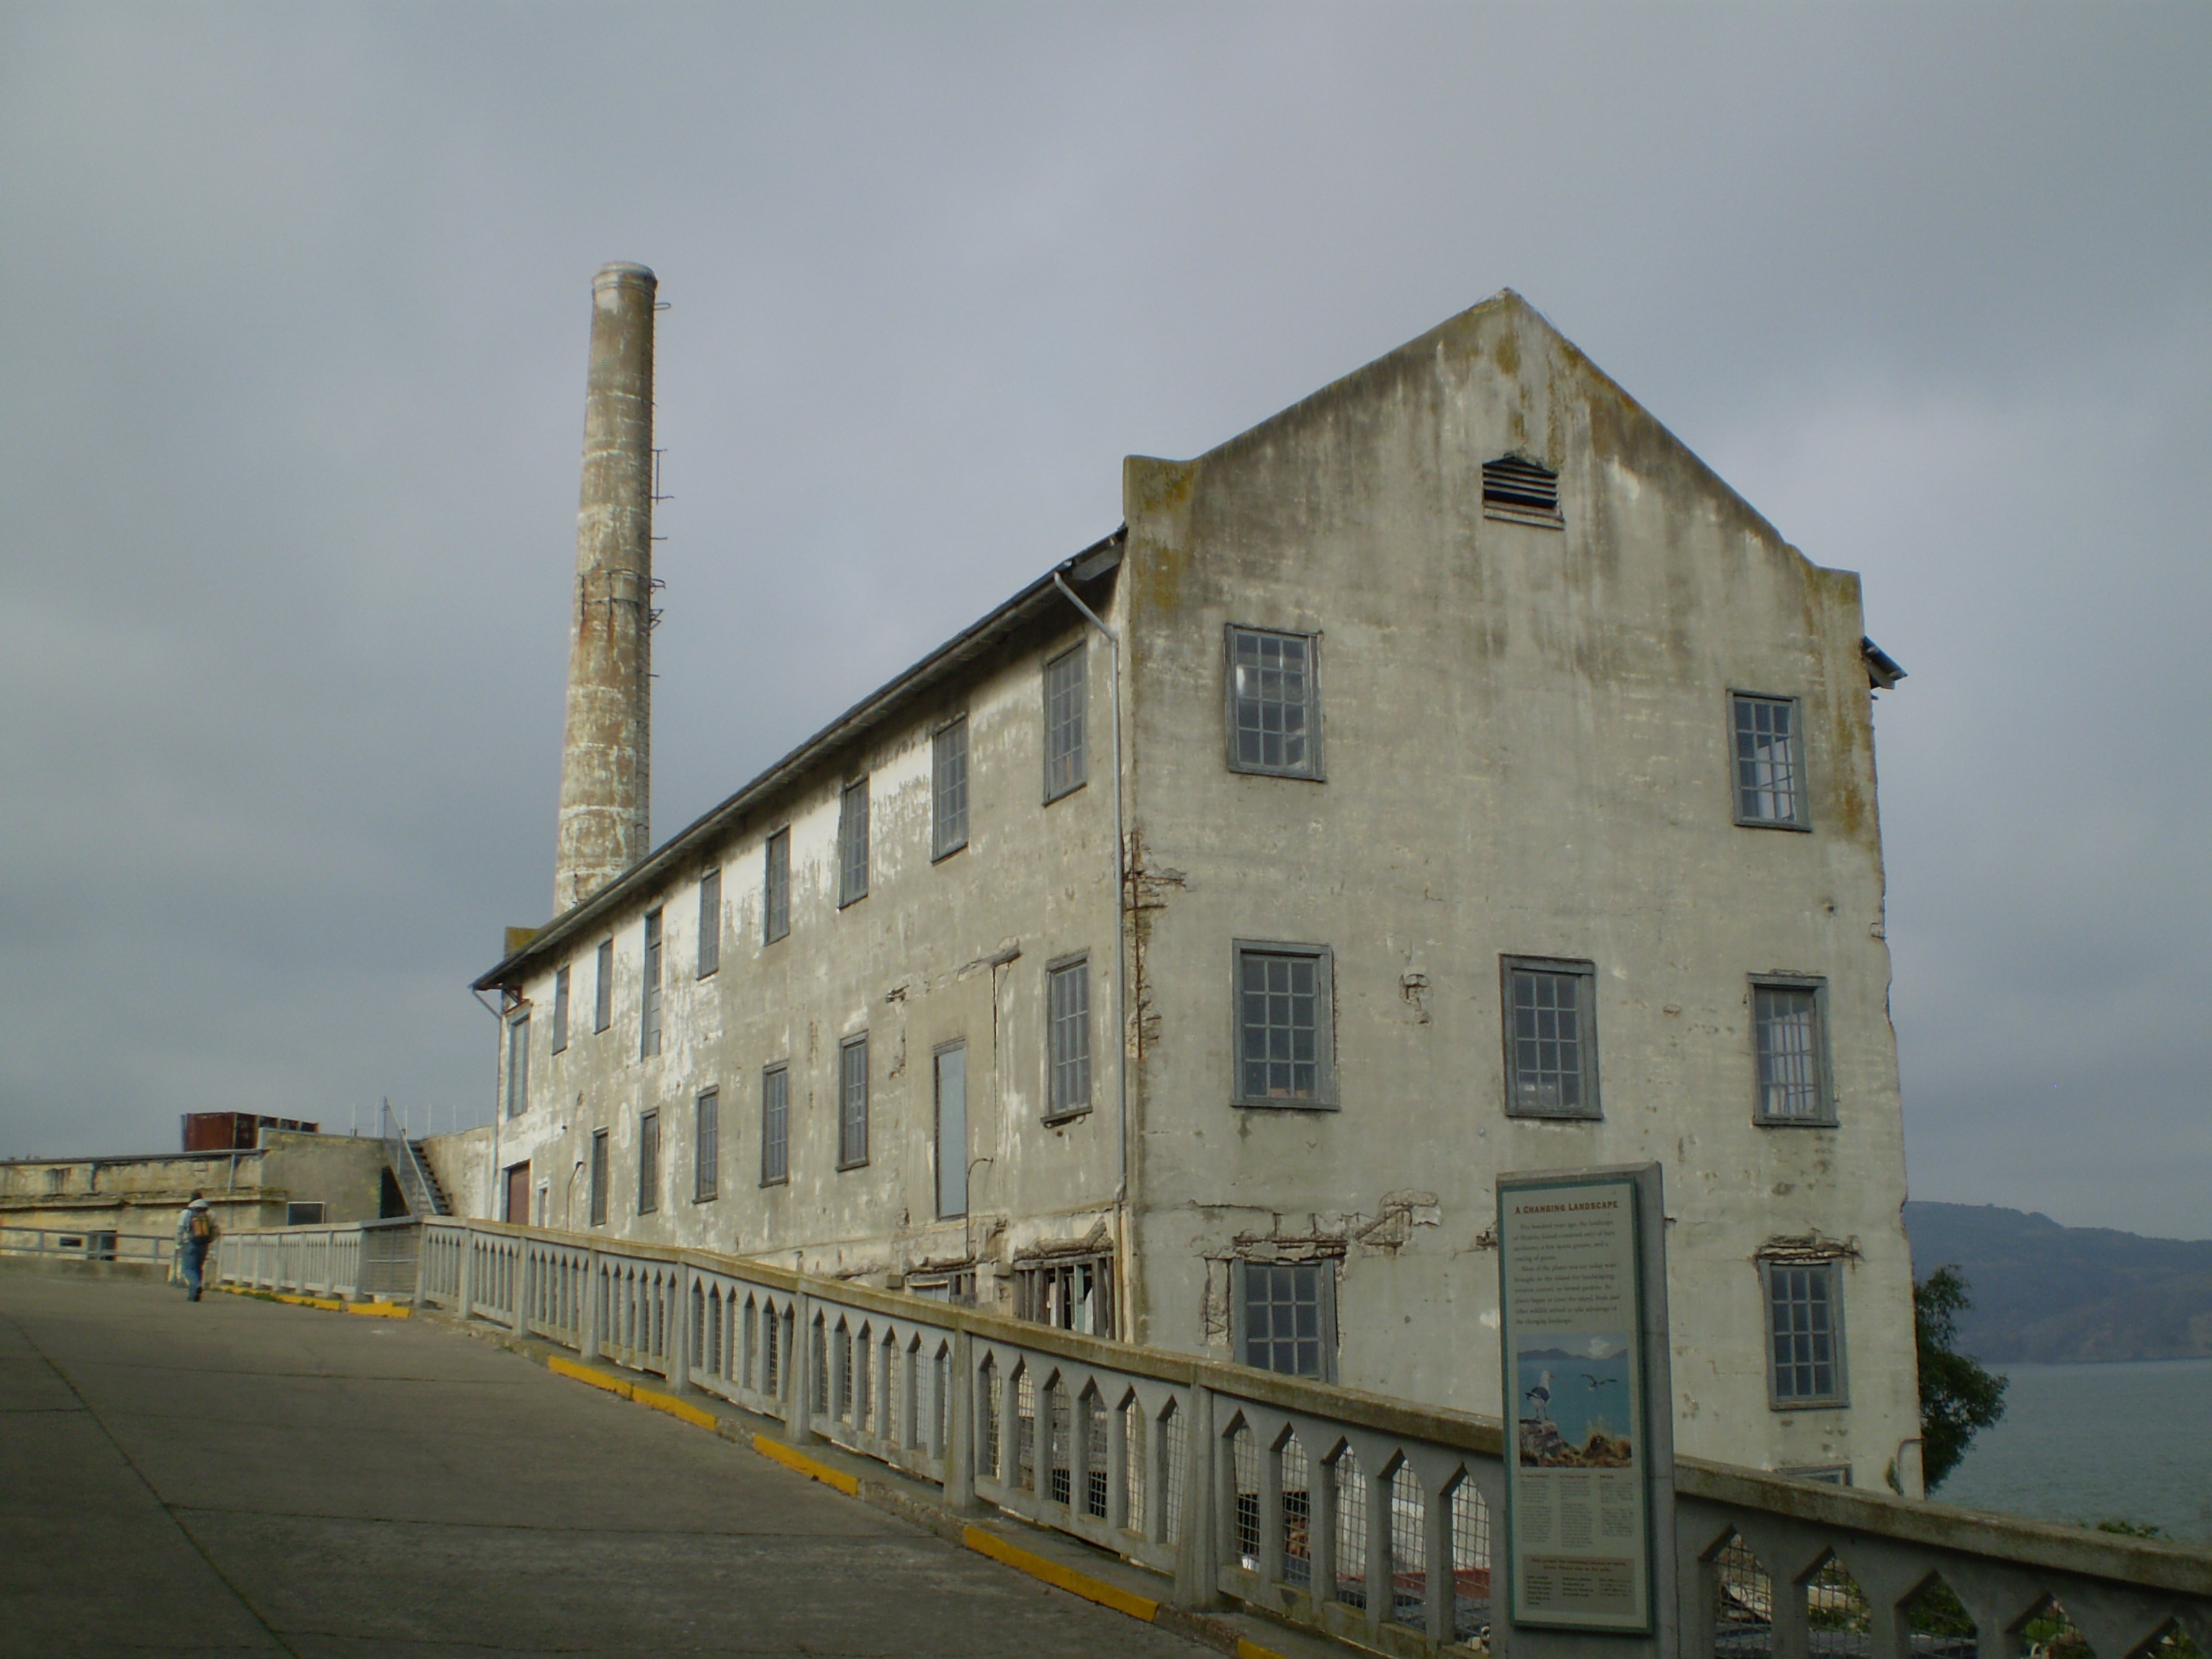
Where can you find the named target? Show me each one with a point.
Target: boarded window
(776, 889)
(949, 789)
(1770, 771)
(775, 1125)
(1551, 1038)
(1275, 704)
(952, 1068)
(603, 990)
(1064, 762)
(1285, 1316)
(561, 1010)
(599, 1177)
(710, 922)
(649, 999)
(853, 1102)
(648, 1162)
(853, 843)
(1285, 1028)
(707, 1147)
(1067, 1036)
(518, 1064)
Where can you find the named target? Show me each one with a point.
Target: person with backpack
(195, 1233)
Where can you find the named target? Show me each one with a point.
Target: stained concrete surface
(241, 1477)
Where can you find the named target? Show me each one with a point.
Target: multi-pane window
(853, 1101)
(1074, 1292)
(649, 1001)
(1274, 703)
(648, 1162)
(710, 922)
(603, 988)
(1284, 1029)
(560, 1009)
(599, 1177)
(775, 1125)
(1285, 1316)
(776, 889)
(1791, 1042)
(518, 1064)
(1064, 759)
(707, 1147)
(1805, 1334)
(1067, 1036)
(949, 789)
(1769, 762)
(1551, 1038)
(853, 843)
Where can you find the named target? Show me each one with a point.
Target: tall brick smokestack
(605, 820)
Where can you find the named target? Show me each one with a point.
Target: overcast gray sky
(293, 310)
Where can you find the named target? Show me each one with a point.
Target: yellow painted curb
(777, 1452)
(322, 1302)
(1248, 1649)
(673, 1407)
(586, 1374)
(1067, 1578)
(380, 1310)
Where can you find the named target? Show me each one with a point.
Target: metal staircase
(419, 1182)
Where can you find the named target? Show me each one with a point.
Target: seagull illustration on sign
(1540, 1396)
(1595, 1382)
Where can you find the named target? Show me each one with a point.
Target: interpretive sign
(1578, 1350)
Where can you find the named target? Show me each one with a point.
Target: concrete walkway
(238, 1477)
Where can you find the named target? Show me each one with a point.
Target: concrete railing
(1370, 1519)
(88, 1244)
(353, 1259)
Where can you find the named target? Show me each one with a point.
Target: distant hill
(2052, 1294)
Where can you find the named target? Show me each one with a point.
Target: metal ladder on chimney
(418, 1184)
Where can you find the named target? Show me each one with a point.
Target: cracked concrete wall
(1527, 742)
(943, 951)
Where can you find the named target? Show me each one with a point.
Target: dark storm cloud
(295, 304)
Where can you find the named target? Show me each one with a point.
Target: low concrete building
(1450, 776)
(287, 1178)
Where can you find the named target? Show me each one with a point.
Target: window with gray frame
(949, 789)
(853, 843)
(710, 922)
(1285, 1030)
(560, 1009)
(1065, 761)
(518, 1064)
(775, 1125)
(602, 989)
(707, 1147)
(1551, 1038)
(1067, 1036)
(1285, 1313)
(1274, 703)
(1790, 1035)
(599, 1177)
(649, 999)
(775, 888)
(648, 1162)
(1769, 762)
(853, 1102)
(1805, 1333)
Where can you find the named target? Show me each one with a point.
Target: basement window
(1071, 1292)
(1521, 492)
(303, 1214)
(1284, 1317)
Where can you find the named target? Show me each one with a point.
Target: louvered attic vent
(1519, 490)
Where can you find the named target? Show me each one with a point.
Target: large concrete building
(1450, 776)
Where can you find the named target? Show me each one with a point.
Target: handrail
(1291, 1496)
(161, 1244)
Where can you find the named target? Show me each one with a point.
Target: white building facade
(1450, 775)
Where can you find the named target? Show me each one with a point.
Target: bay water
(2125, 1442)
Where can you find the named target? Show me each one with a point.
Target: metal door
(518, 1193)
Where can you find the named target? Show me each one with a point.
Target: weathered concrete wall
(953, 950)
(146, 1195)
(1528, 752)
(344, 1173)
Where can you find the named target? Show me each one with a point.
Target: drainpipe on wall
(1121, 939)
